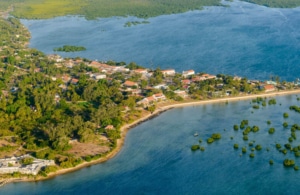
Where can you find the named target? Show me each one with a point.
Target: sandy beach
(125, 128)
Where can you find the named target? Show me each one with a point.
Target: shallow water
(157, 159)
(243, 39)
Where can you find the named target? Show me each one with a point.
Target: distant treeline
(70, 48)
(276, 3)
(36, 9)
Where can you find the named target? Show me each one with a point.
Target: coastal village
(66, 111)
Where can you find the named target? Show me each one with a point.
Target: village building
(181, 93)
(151, 99)
(188, 73)
(130, 84)
(140, 71)
(74, 81)
(11, 165)
(98, 76)
(169, 72)
(269, 88)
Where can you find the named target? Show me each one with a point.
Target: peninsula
(76, 112)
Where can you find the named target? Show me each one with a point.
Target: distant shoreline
(125, 128)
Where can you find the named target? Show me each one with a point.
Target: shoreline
(125, 128)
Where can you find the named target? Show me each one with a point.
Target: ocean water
(242, 39)
(157, 159)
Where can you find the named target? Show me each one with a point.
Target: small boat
(195, 134)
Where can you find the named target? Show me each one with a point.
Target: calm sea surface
(243, 39)
(157, 159)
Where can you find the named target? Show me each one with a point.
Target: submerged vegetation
(289, 148)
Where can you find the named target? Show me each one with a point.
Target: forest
(37, 9)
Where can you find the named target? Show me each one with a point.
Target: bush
(195, 147)
(271, 130)
(255, 106)
(285, 124)
(296, 168)
(235, 146)
(288, 146)
(284, 151)
(252, 155)
(210, 140)
(288, 162)
(216, 136)
(202, 148)
(244, 150)
(258, 147)
(278, 146)
(245, 138)
(285, 115)
(269, 122)
(271, 162)
(255, 128)
(235, 127)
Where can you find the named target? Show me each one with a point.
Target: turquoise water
(157, 159)
(243, 39)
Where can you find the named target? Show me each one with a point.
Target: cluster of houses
(104, 70)
(13, 164)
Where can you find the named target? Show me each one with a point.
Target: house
(198, 79)
(208, 76)
(169, 72)
(181, 93)
(99, 76)
(186, 82)
(151, 99)
(188, 73)
(109, 127)
(269, 88)
(74, 81)
(130, 84)
(66, 78)
(161, 86)
(140, 71)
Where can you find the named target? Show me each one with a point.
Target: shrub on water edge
(291, 139)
